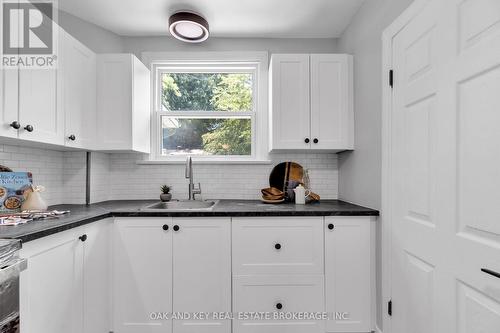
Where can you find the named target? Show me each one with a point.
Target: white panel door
(96, 277)
(202, 272)
(38, 106)
(278, 245)
(349, 254)
(290, 107)
(331, 101)
(142, 275)
(445, 158)
(78, 90)
(50, 293)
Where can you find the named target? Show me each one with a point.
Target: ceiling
(227, 18)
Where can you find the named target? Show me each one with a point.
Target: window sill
(207, 161)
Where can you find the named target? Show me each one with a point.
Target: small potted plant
(165, 193)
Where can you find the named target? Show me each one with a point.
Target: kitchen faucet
(189, 174)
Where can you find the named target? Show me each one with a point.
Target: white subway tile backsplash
(118, 176)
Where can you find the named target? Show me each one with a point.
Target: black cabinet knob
(15, 125)
(83, 238)
(165, 227)
(279, 306)
(72, 137)
(315, 140)
(307, 140)
(29, 128)
(277, 246)
(176, 227)
(331, 226)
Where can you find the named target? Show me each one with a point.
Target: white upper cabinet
(311, 102)
(332, 117)
(289, 98)
(8, 102)
(77, 69)
(40, 117)
(123, 103)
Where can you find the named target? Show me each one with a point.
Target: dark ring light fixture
(188, 27)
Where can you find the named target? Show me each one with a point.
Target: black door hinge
(391, 78)
(389, 308)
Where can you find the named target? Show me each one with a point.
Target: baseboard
(378, 330)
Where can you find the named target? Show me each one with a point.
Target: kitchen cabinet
(8, 102)
(311, 102)
(349, 273)
(142, 274)
(164, 265)
(41, 118)
(65, 286)
(77, 68)
(277, 245)
(123, 103)
(202, 272)
(279, 295)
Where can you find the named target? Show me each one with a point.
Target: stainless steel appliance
(10, 268)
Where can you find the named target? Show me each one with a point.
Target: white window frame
(255, 63)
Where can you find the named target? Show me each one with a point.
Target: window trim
(206, 61)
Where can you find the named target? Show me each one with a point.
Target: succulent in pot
(165, 193)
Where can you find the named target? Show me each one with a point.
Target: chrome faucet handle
(196, 189)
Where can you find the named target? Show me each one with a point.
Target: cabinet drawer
(270, 246)
(266, 294)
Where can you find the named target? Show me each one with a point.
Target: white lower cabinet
(349, 273)
(64, 287)
(165, 266)
(131, 274)
(279, 296)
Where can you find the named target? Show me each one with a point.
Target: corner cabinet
(123, 103)
(311, 102)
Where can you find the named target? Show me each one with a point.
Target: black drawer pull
(176, 227)
(490, 272)
(165, 227)
(277, 246)
(331, 226)
(279, 306)
(83, 238)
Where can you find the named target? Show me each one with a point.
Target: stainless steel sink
(183, 205)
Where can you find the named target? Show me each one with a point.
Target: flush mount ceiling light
(188, 27)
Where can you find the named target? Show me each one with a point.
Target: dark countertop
(81, 214)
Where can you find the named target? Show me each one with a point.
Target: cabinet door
(50, 295)
(202, 272)
(114, 101)
(278, 296)
(142, 275)
(8, 102)
(78, 76)
(96, 277)
(278, 245)
(349, 277)
(290, 107)
(331, 101)
(38, 106)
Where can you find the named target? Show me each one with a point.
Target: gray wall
(94, 37)
(137, 45)
(360, 170)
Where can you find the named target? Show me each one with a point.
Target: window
(208, 109)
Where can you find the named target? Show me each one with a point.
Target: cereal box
(13, 186)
